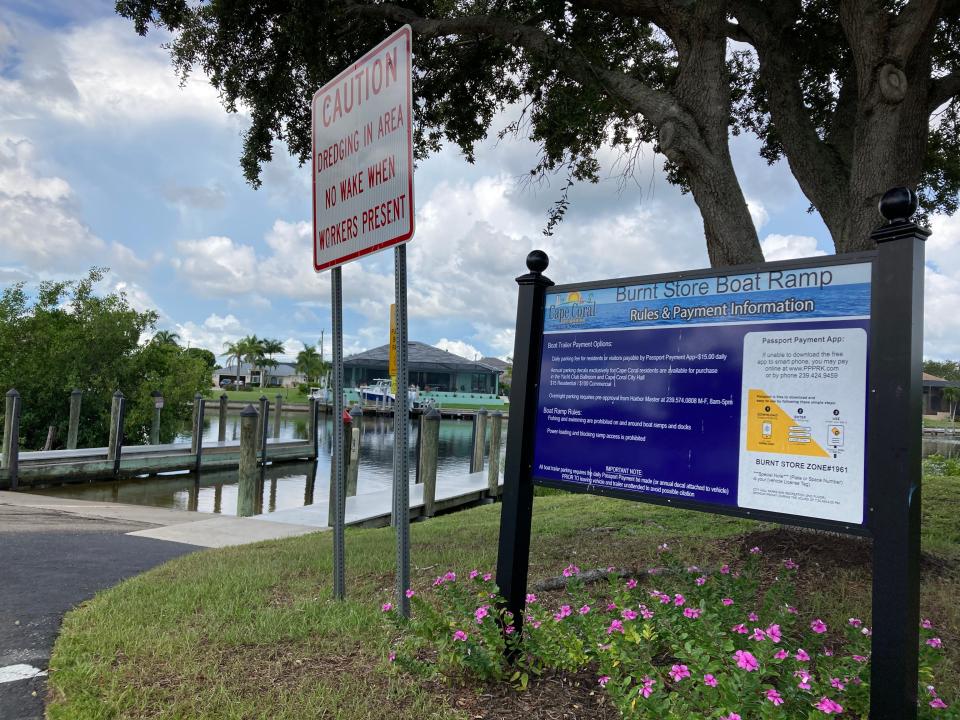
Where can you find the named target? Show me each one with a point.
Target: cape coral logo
(572, 308)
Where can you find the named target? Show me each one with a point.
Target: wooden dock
(83, 465)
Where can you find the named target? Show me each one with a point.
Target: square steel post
(894, 461)
(513, 554)
(401, 427)
(339, 481)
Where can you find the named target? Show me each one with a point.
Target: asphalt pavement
(50, 561)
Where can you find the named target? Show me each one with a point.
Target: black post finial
(537, 261)
(897, 207)
(898, 204)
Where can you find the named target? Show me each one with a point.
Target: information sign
(733, 390)
(363, 156)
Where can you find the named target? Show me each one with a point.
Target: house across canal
(430, 369)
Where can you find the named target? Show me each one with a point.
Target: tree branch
(943, 90)
(910, 25)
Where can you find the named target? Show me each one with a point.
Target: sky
(105, 160)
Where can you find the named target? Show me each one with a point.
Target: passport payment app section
(744, 390)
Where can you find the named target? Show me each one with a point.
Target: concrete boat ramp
(206, 530)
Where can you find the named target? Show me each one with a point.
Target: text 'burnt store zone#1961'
(730, 390)
(362, 157)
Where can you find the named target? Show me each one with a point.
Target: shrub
(679, 643)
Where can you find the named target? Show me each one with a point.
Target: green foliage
(682, 643)
(67, 337)
(204, 355)
(946, 369)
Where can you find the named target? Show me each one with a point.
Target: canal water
(286, 484)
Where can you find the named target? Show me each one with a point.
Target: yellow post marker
(393, 349)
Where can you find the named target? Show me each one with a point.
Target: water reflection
(941, 446)
(286, 485)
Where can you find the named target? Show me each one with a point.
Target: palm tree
(235, 350)
(270, 348)
(165, 337)
(253, 353)
(309, 363)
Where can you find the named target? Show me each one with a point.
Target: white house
(280, 376)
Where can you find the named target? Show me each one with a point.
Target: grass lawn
(930, 422)
(290, 395)
(251, 632)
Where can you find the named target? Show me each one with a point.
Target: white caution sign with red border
(363, 156)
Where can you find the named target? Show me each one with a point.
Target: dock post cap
(224, 395)
(263, 397)
(12, 392)
(118, 394)
(76, 391)
(496, 413)
(482, 411)
(537, 261)
(248, 411)
(433, 414)
(197, 396)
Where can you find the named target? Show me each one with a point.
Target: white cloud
(458, 347)
(758, 213)
(212, 333)
(788, 247)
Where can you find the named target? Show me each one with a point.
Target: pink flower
(438, 581)
(487, 577)
(741, 629)
(565, 611)
(781, 654)
(629, 614)
(792, 610)
(631, 584)
(692, 613)
(603, 680)
(758, 635)
(773, 632)
(460, 636)
(866, 631)
(802, 656)
(746, 660)
(827, 652)
(752, 617)
(938, 704)
(774, 697)
(386, 607)
(450, 577)
(701, 580)
(509, 629)
(615, 626)
(731, 716)
(804, 683)
(679, 672)
(854, 622)
(935, 642)
(611, 607)
(645, 613)
(410, 592)
(837, 683)
(725, 570)
(828, 706)
(754, 551)
(727, 601)
(818, 626)
(535, 624)
(392, 656)
(571, 570)
(647, 689)
(859, 658)
(709, 680)
(474, 573)
(926, 624)
(531, 598)
(679, 599)
(584, 610)
(789, 564)
(480, 613)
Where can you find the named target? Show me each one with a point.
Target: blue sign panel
(744, 390)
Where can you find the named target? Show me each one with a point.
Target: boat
(381, 391)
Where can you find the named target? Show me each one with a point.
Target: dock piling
(493, 466)
(73, 429)
(429, 447)
(262, 420)
(222, 422)
(113, 442)
(278, 406)
(248, 475)
(197, 422)
(353, 469)
(312, 430)
(51, 437)
(198, 434)
(8, 425)
(479, 440)
(264, 428)
(157, 407)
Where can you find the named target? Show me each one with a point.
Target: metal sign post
(401, 426)
(339, 504)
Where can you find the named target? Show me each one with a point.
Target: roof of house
(938, 382)
(280, 370)
(496, 363)
(420, 357)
